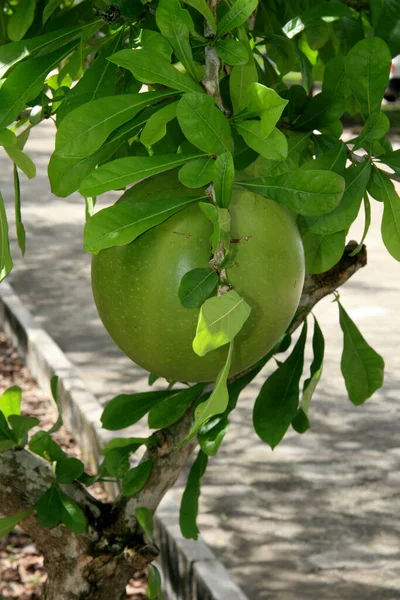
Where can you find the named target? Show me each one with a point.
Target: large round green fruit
(136, 286)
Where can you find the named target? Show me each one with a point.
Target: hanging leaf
(71, 515)
(151, 67)
(220, 320)
(362, 367)
(127, 409)
(19, 226)
(203, 124)
(42, 444)
(7, 524)
(7, 436)
(6, 263)
(21, 19)
(304, 192)
(276, 404)
(124, 171)
(321, 251)
(21, 425)
(301, 422)
(123, 222)
(238, 14)
(10, 401)
(68, 469)
(172, 408)
(232, 52)
(391, 213)
(153, 583)
(272, 145)
(190, 500)
(240, 79)
(156, 127)
(48, 508)
(367, 223)
(224, 176)
(196, 286)
(211, 435)
(144, 517)
(136, 478)
(221, 220)
(54, 392)
(197, 173)
(21, 160)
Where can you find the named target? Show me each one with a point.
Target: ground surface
(319, 516)
(21, 566)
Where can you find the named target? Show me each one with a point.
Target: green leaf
(153, 583)
(123, 222)
(128, 445)
(196, 286)
(71, 515)
(276, 404)
(21, 19)
(6, 263)
(220, 320)
(335, 82)
(367, 73)
(356, 178)
(202, 7)
(232, 52)
(155, 42)
(221, 220)
(197, 173)
(69, 469)
(54, 392)
(238, 13)
(301, 422)
(152, 378)
(296, 145)
(7, 524)
(21, 425)
(124, 171)
(136, 478)
(217, 401)
(392, 160)
(7, 436)
(224, 176)
(172, 21)
(203, 124)
(42, 444)
(48, 508)
(190, 500)
(7, 138)
(150, 67)
(390, 228)
(85, 129)
(272, 145)
(367, 223)
(240, 79)
(304, 192)
(51, 6)
(170, 410)
(10, 401)
(375, 128)
(127, 409)
(116, 463)
(333, 159)
(266, 103)
(211, 434)
(25, 83)
(321, 251)
(19, 226)
(21, 160)
(320, 111)
(156, 127)
(144, 517)
(362, 367)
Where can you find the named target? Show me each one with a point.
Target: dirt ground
(21, 566)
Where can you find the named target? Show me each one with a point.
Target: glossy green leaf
(238, 13)
(333, 159)
(7, 436)
(221, 220)
(367, 73)
(19, 226)
(297, 142)
(392, 160)
(356, 178)
(49, 9)
(21, 425)
(48, 508)
(172, 21)
(202, 7)
(367, 223)
(7, 524)
(240, 79)
(124, 171)
(54, 392)
(301, 421)
(211, 435)
(320, 111)
(272, 145)
(150, 67)
(84, 129)
(266, 103)
(127, 409)
(197, 173)
(42, 444)
(304, 192)
(10, 401)
(321, 251)
(327, 11)
(21, 160)
(190, 499)
(220, 320)
(144, 517)
(375, 128)
(68, 470)
(224, 176)
(123, 222)
(232, 52)
(6, 263)
(7, 138)
(136, 478)
(390, 227)
(155, 42)
(335, 82)
(153, 583)
(276, 405)
(71, 515)
(196, 286)
(172, 408)
(203, 124)
(362, 367)
(21, 19)
(156, 127)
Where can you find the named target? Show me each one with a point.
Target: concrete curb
(190, 570)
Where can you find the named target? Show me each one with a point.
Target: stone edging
(190, 569)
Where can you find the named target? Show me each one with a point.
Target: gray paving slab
(319, 516)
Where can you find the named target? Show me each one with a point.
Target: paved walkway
(318, 518)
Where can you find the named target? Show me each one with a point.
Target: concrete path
(318, 518)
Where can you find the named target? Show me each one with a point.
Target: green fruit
(136, 286)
